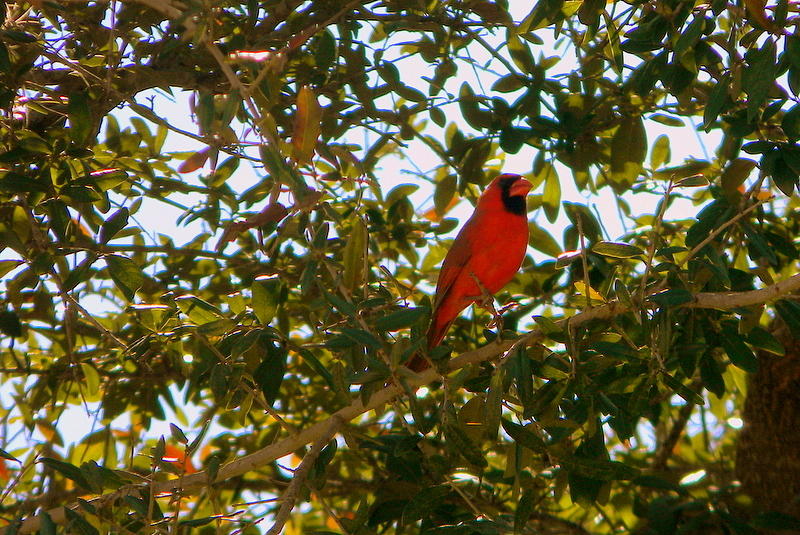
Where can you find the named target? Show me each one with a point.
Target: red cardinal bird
(489, 247)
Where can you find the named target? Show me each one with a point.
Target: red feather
(490, 247)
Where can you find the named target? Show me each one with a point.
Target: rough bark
(768, 451)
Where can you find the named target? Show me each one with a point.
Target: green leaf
(269, 374)
(616, 249)
(790, 124)
(318, 472)
(523, 436)
(691, 35)
(355, 255)
(740, 354)
(362, 337)
(125, 273)
(541, 240)
(735, 173)
(789, 311)
(177, 434)
(5, 455)
(679, 172)
(438, 116)
(695, 181)
(660, 153)
(682, 390)
(115, 222)
(424, 502)
(711, 375)
(655, 482)
(718, 100)
(10, 325)
(463, 445)
(524, 510)
(69, 471)
(16, 183)
(759, 76)
(508, 83)
(520, 53)
(667, 120)
(588, 222)
(5, 61)
(276, 165)
(628, 150)
(443, 194)
(551, 197)
(197, 522)
(307, 125)
(476, 117)
(92, 378)
(671, 298)
(599, 469)
(191, 448)
(401, 319)
(266, 292)
(198, 310)
(784, 176)
(494, 404)
(77, 524)
(399, 192)
(18, 36)
(46, 524)
(709, 218)
(763, 339)
(80, 117)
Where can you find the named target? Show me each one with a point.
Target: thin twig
(584, 262)
(668, 445)
(716, 232)
(289, 496)
(654, 233)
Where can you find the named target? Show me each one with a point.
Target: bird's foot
(497, 315)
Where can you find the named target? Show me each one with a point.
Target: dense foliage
(302, 292)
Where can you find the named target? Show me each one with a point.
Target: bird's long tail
(435, 336)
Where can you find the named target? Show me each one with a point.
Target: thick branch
(729, 300)
(264, 456)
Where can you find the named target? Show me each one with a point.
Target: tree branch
(289, 496)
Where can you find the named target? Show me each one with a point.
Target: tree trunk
(768, 451)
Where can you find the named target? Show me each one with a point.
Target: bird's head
(511, 191)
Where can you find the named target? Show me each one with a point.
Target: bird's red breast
(490, 247)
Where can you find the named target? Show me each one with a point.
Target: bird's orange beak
(520, 188)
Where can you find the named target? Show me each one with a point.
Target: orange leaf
(174, 454)
(307, 125)
(435, 217)
(273, 213)
(4, 473)
(756, 10)
(195, 161)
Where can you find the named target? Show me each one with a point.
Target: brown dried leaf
(273, 213)
(307, 125)
(195, 161)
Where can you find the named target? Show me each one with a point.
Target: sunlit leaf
(307, 125)
(125, 274)
(616, 249)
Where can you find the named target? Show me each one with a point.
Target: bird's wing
(455, 262)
